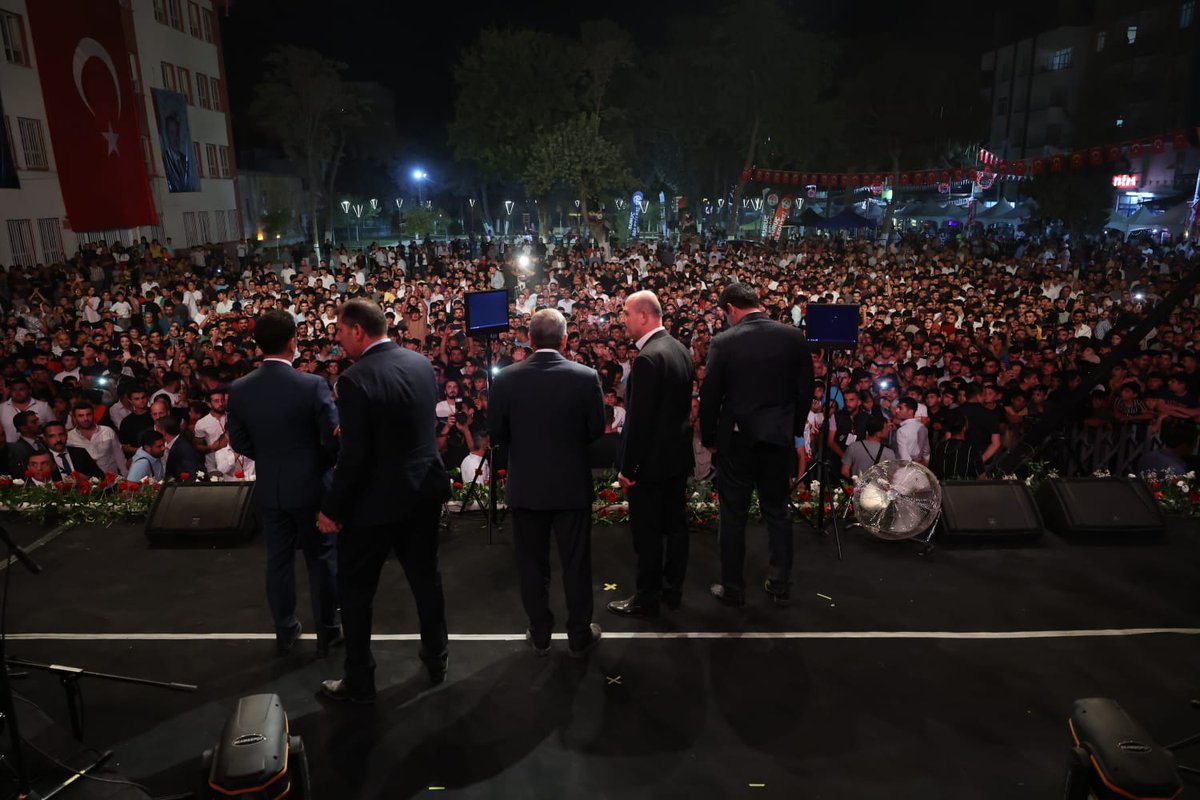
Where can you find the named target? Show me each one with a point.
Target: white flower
(94, 481)
(214, 478)
(1183, 487)
(1190, 475)
(18, 481)
(616, 484)
(200, 474)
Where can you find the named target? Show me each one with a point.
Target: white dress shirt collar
(641, 343)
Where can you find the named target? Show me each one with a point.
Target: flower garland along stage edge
(112, 499)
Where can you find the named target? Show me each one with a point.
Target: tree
(306, 106)
(510, 86)
(1077, 199)
(420, 222)
(574, 155)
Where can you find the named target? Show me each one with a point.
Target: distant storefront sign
(1125, 181)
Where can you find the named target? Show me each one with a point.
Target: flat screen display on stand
(487, 312)
(832, 325)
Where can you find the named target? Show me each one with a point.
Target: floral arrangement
(1177, 494)
(78, 499)
(461, 492)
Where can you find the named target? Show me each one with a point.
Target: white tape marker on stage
(520, 637)
(53, 534)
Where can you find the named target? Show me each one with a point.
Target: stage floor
(891, 674)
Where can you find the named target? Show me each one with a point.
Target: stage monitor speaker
(989, 510)
(201, 512)
(1101, 507)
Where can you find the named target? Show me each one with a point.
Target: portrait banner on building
(8, 165)
(175, 139)
(91, 110)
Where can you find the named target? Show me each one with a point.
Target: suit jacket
(183, 458)
(284, 420)
(656, 441)
(18, 452)
(81, 460)
(760, 380)
(389, 459)
(547, 410)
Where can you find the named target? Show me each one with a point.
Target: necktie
(65, 463)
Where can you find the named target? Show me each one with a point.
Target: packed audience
(964, 344)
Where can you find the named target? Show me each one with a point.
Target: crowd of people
(986, 335)
(347, 386)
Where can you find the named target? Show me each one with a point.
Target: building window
(168, 75)
(199, 161)
(160, 11)
(234, 227)
(224, 161)
(1061, 59)
(219, 219)
(202, 87)
(208, 25)
(1131, 34)
(185, 84)
(205, 230)
(1101, 40)
(1186, 12)
(211, 151)
(20, 241)
(175, 9)
(216, 94)
(12, 29)
(194, 19)
(33, 143)
(50, 232)
(189, 229)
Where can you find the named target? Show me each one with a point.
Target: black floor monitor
(487, 312)
(832, 324)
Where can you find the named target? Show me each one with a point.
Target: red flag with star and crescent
(91, 110)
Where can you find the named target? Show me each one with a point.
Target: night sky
(412, 47)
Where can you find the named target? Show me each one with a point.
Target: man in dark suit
(757, 390)
(387, 493)
(656, 457)
(29, 441)
(547, 410)
(285, 420)
(68, 460)
(182, 458)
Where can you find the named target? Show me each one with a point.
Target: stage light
(419, 175)
(495, 371)
(523, 261)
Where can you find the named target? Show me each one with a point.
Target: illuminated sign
(1125, 181)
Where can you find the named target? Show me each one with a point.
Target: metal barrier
(1083, 450)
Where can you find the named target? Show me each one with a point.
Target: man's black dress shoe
(324, 645)
(437, 669)
(582, 652)
(632, 607)
(284, 641)
(780, 595)
(339, 690)
(538, 650)
(727, 597)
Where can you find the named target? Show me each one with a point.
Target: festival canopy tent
(932, 211)
(846, 220)
(992, 214)
(1174, 219)
(1016, 213)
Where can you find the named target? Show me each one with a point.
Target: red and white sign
(92, 113)
(1125, 181)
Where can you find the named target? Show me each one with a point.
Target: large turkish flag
(92, 113)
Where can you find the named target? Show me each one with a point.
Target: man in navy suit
(547, 410)
(286, 421)
(656, 458)
(387, 493)
(753, 403)
(182, 458)
(68, 460)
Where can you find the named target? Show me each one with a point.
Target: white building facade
(172, 45)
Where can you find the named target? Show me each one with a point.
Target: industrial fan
(897, 500)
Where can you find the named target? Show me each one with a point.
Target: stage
(891, 674)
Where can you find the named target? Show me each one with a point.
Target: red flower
(28, 472)
(1158, 495)
(1194, 496)
(109, 477)
(240, 474)
(608, 496)
(604, 511)
(62, 485)
(84, 488)
(501, 473)
(458, 485)
(79, 476)
(185, 476)
(5, 482)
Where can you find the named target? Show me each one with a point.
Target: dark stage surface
(948, 675)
